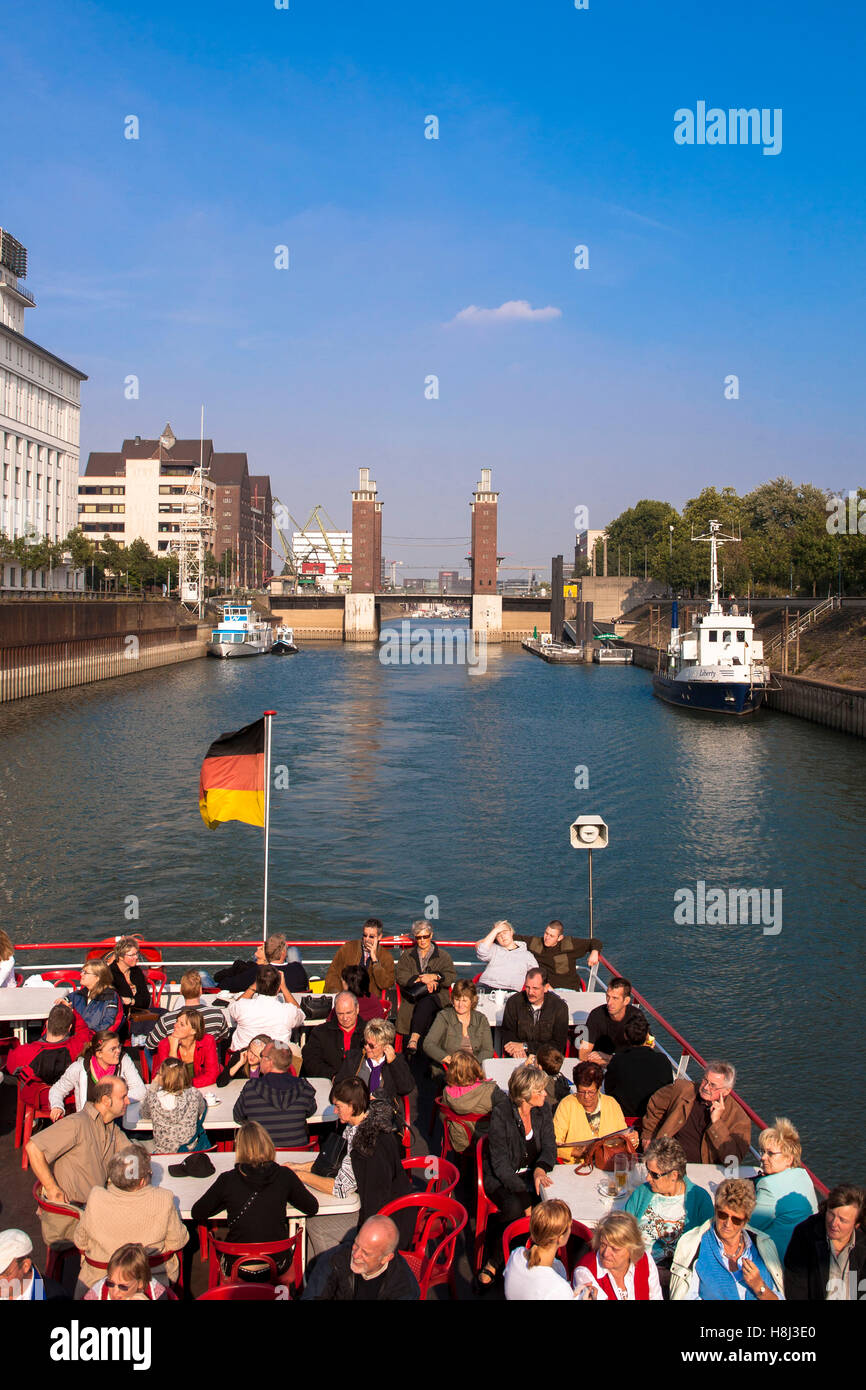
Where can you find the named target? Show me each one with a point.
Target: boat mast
(715, 538)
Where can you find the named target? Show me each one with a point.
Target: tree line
(795, 539)
(107, 563)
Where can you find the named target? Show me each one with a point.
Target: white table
(219, 1114)
(587, 1204)
(20, 1006)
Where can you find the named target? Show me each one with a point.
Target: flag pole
(269, 714)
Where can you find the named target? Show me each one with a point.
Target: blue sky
(305, 127)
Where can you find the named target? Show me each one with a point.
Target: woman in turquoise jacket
(784, 1191)
(667, 1204)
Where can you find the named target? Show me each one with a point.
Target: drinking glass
(620, 1173)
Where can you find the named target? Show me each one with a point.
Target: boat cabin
(723, 639)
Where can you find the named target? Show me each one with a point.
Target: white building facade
(128, 498)
(40, 410)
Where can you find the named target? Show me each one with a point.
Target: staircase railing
(808, 619)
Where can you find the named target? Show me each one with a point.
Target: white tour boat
(240, 634)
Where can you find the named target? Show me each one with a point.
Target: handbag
(414, 992)
(603, 1153)
(329, 1159)
(315, 1006)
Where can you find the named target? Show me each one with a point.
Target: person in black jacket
(826, 1255)
(560, 954)
(368, 1269)
(242, 973)
(519, 1154)
(329, 1043)
(372, 1167)
(128, 978)
(383, 1070)
(534, 1016)
(255, 1193)
(633, 1075)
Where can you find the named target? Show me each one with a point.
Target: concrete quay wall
(840, 707)
(70, 644)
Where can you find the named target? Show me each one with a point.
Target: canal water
(412, 786)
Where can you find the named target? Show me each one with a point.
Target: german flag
(232, 784)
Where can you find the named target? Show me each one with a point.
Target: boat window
(726, 636)
(713, 636)
(741, 634)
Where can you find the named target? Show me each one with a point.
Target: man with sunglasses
(724, 1260)
(703, 1117)
(368, 952)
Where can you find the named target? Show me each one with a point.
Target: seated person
(94, 999)
(195, 1048)
(246, 1063)
(129, 1210)
(587, 1116)
(460, 1027)
(468, 1092)
(826, 1255)
(534, 1274)
(668, 1204)
(190, 988)
(71, 1157)
(551, 1060)
(369, 952)
(176, 1110)
(127, 976)
(723, 1260)
(277, 1100)
(287, 959)
(254, 1193)
(266, 1007)
(329, 1043)
(784, 1191)
(517, 1159)
(507, 959)
(704, 1118)
(534, 1016)
(559, 954)
(355, 979)
(100, 1059)
(617, 1269)
(384, 1072)
(128, 1280)
(605, 1026)
(7, 962)
(366, 1269)
(636, 1072)
(64, 1038)
(423, 965)
(20, 1280)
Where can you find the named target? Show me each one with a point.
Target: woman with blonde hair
(618, 1269)
(784, 1191)
(95, 1001)
(724, 1260)
(518, 1157)
(128, 1279)
(255, 1193)
(7, 962)
(535, 1274)
(176, 1110)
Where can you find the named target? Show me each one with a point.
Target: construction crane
(316, 548)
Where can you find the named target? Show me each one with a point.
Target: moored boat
(239, 633)
(719, 666)
(284, 642)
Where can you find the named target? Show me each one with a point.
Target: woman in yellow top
(581, 1119)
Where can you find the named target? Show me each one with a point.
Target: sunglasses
(729, 1216)
(113, 1284)
(654, 1173)
(423, 936)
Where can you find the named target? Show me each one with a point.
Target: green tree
(643, 526)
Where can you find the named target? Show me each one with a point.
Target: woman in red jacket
(193, 1046)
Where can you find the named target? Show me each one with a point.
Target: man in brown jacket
(704, 1120)
(367, 952)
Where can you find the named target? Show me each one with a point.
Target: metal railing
(809, 618)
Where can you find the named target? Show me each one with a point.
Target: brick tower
(486, 603)
(360, 623)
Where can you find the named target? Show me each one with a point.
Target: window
(726, 636)
(741, 634)
(713, 636)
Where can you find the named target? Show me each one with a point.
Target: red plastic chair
(103, 947)
(55, 1255)
(32, 1105)
(440, 1176)
(157, 980)
(263, 1251)
(465, 1122)
(241, 1293)
(440, 1220)
(484, 1206)
(62, 977)
(521, 1228)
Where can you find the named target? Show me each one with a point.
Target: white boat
(240, 634)
(284, 642)
(612, 654)
(719, 666)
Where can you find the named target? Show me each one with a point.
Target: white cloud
(513, 311)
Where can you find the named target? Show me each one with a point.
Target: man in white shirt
(268, 1006)
(20, 1280)
(507, 959)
